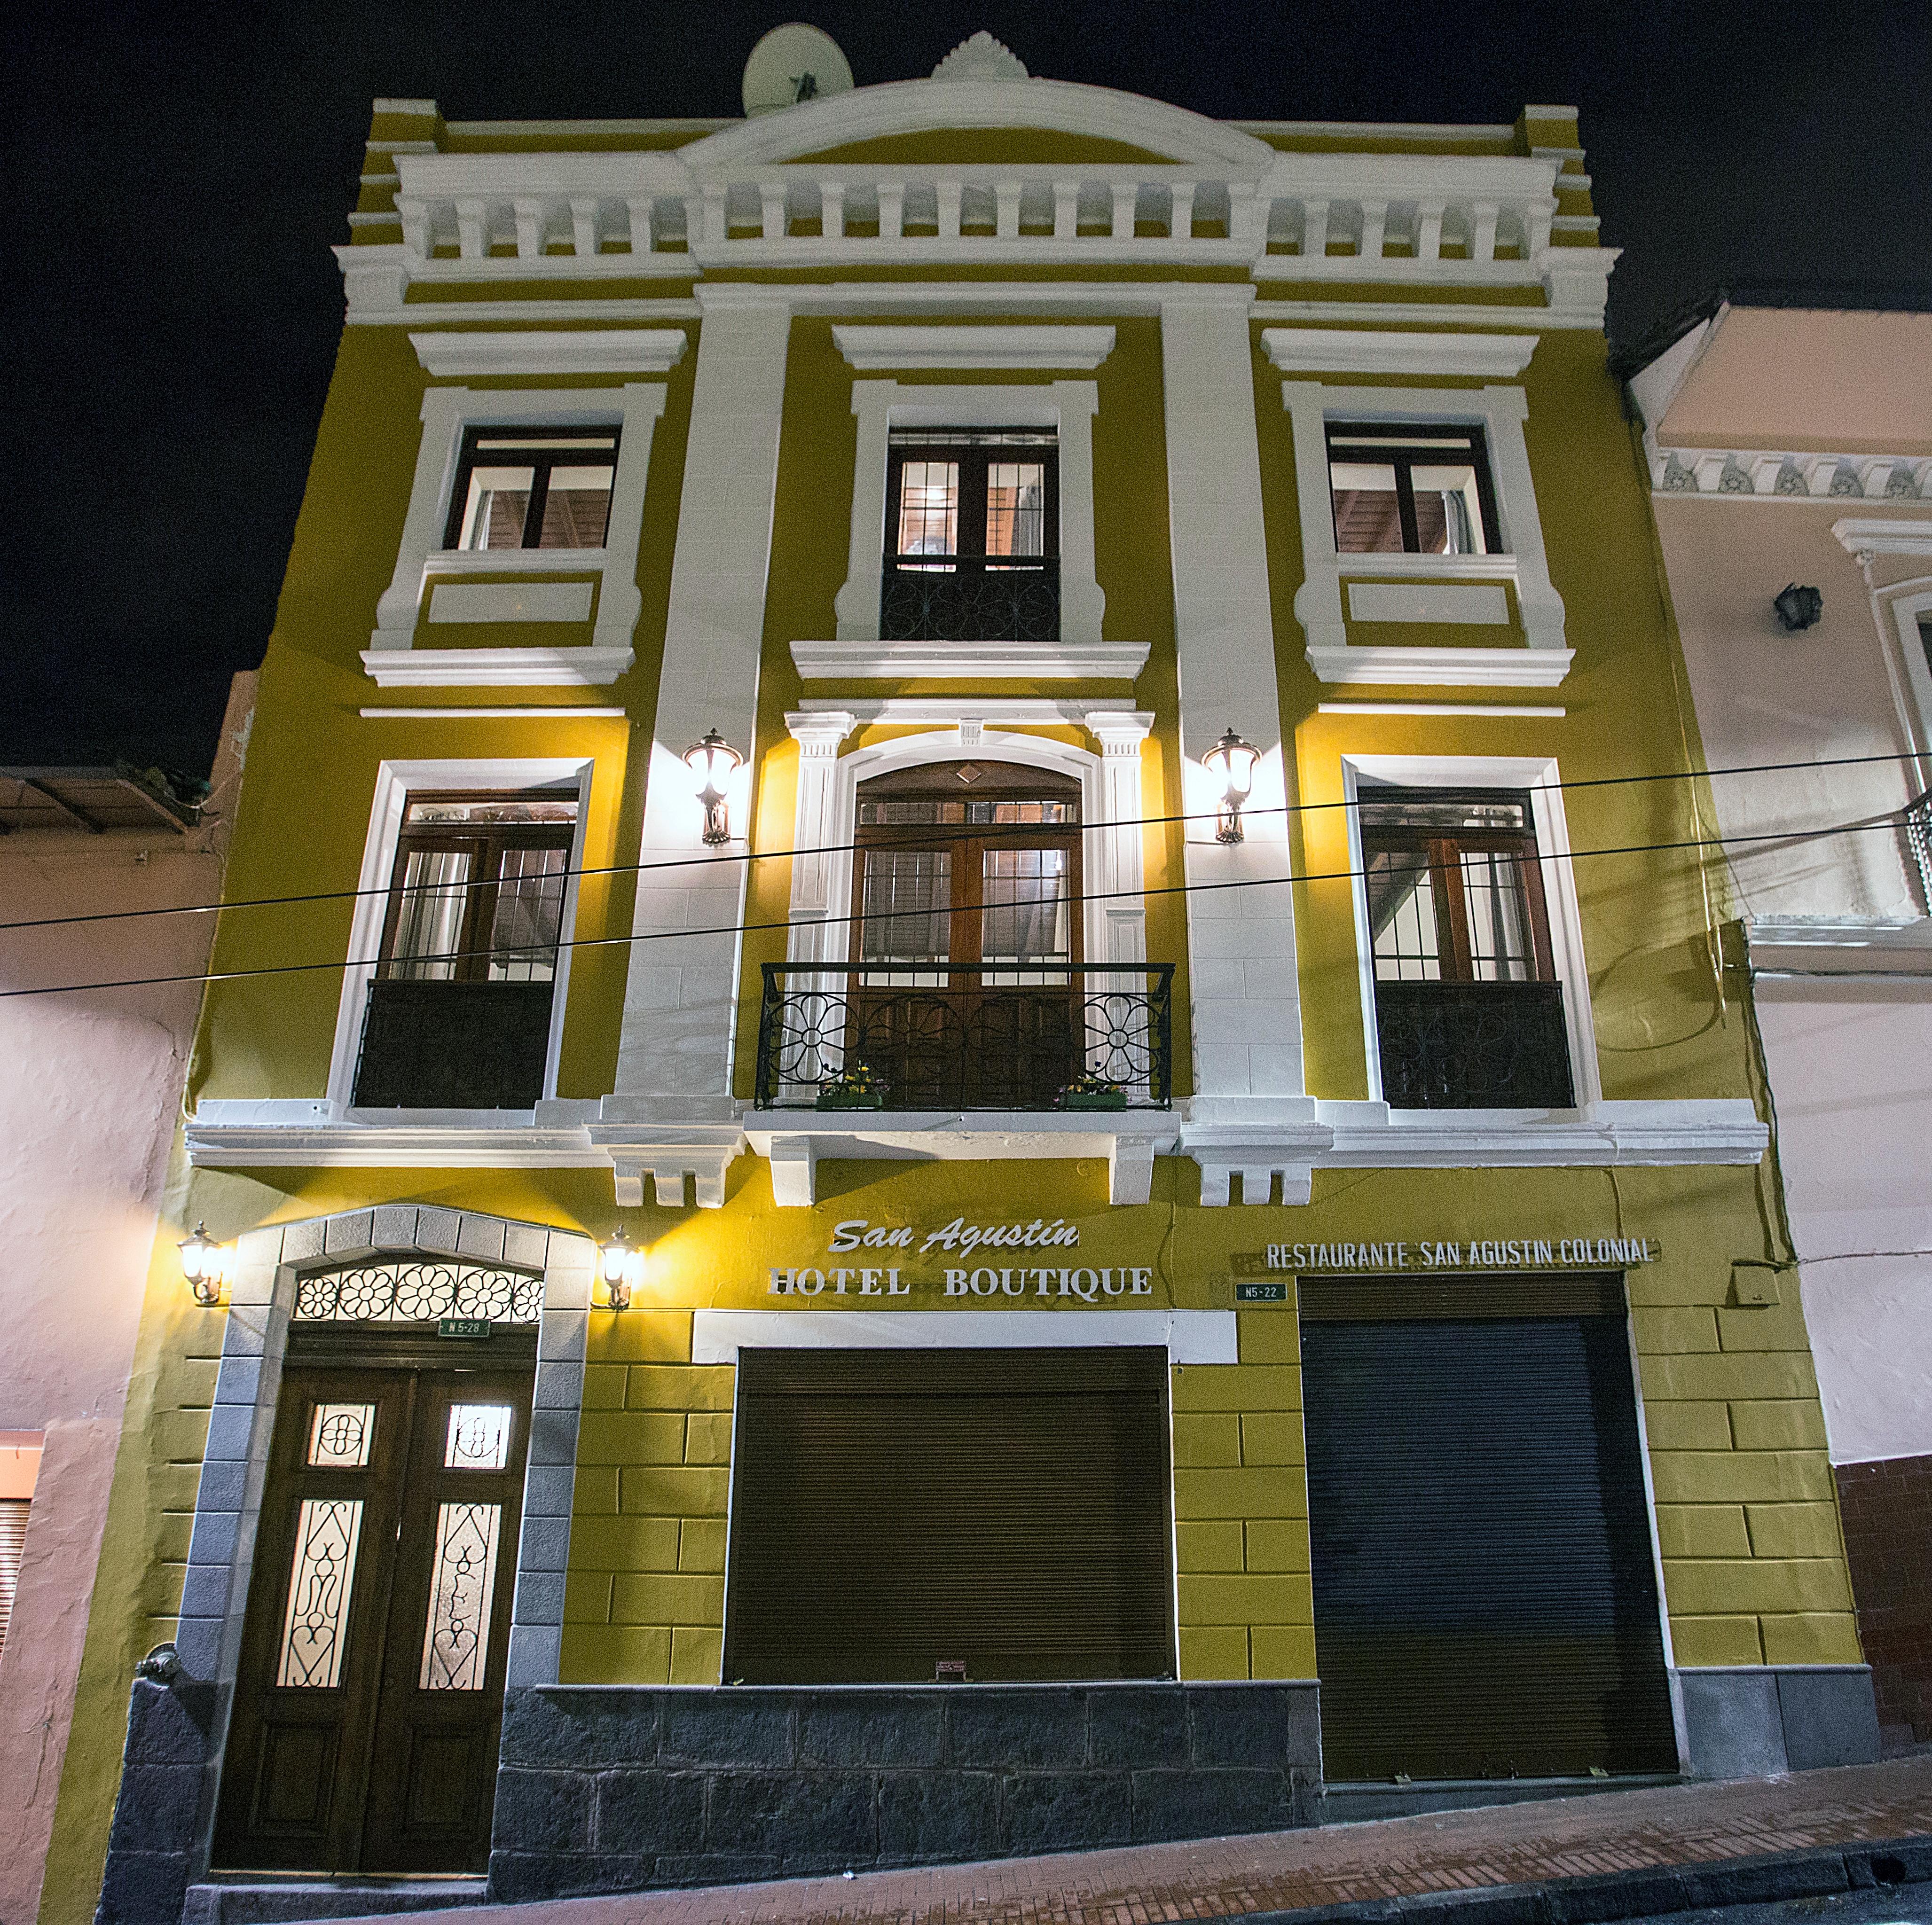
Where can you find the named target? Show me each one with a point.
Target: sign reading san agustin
(1092, 1285)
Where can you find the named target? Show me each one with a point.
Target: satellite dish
(792, 64)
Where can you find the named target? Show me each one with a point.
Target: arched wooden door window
(966, 942)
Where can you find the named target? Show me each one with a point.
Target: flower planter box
(1094, 1099)
(850, 1099)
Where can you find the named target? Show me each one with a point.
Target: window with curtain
(1401, 487)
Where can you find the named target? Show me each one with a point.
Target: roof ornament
(981, 58)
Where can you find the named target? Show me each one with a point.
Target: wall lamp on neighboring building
(713, 761)
(204, 1263)
(1798, 607)
(1232, 763)
(623, 1266)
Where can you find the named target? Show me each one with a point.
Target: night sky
(178, 174)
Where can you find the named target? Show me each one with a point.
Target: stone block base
(616, 1788)
(1754, 1721)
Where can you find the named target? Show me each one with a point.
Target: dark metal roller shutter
(894, 1510)
(1486, 1602)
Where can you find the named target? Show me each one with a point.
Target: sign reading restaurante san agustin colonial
(1092, 1285)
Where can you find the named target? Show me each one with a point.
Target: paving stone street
(1618, 1832)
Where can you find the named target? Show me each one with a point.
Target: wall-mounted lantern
(1232, 763)
(1798, 607)
(713, 761)
(623, 1267)
(203, 1261)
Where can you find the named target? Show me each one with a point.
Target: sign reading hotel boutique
(959, 1238)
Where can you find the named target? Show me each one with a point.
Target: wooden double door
(367, 1707)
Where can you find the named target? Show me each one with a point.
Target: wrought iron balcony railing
(952, 1036)
(1918, 839)
(1474, 1045)
(972, 599)
(453, 1045)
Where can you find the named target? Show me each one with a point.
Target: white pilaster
(816, 864)
(1115, 872)
(1247, 1017)
(680, 1004)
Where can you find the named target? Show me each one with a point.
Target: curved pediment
(1037, 113)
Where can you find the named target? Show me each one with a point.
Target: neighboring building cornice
(1769, 474)
(1859, 537)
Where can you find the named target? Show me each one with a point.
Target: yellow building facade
(1195, 1241)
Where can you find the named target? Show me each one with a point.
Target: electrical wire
(1692, 775)
(208, 976)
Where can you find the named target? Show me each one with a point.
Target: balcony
(1474, 1045)
(972, 599)
(434, 1045)
(981, 1036)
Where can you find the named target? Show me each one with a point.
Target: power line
(1110, 895)
(846, 848)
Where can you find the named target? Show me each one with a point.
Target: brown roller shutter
(894, 1510)
(1485, 1600)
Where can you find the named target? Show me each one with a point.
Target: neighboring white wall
(1817, 697)
(1848, 1059)
(87, 1109)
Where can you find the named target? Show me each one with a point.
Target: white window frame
(1540, 776)
(447, 414)
(395, 781)
(1500, 412)
(1908, 602)
(1067, 407)
(1114, 927)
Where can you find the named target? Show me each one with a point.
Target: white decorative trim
(1257, 1142)
(795, 1142)
(446, 412)
(1483, 604)
(572, 351)
(1500, 412)
(1884, 538)
(394, 782)
(1353, 351)
(1446, 668)
(667, 1155)
(1541, 776)
(1795, 946)
(981, 58)
(1684, 1134)
(1188, 1336)
(1909, 603)
(1750, 474)
(1068, 407)
(587, 668)
(553, 713)
(903, 661)
(1503, 710)
(827, 807)
(983, 345)
(511, 600)
(512, 1145)
(1037, 712)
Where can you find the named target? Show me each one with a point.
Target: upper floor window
(1468, 1007)
(972, 535)
(459, 1013)
(1416, 488)
(533, 488)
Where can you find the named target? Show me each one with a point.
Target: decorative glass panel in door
(364, 1736)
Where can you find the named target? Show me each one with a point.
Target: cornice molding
(1048, 661)
(1362, 351)
(1760, 474)
(585, 668)
(1875, 536)
(1448, 667)
(563, 351)
(986, 345)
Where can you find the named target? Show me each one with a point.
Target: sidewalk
(1614, 1832)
